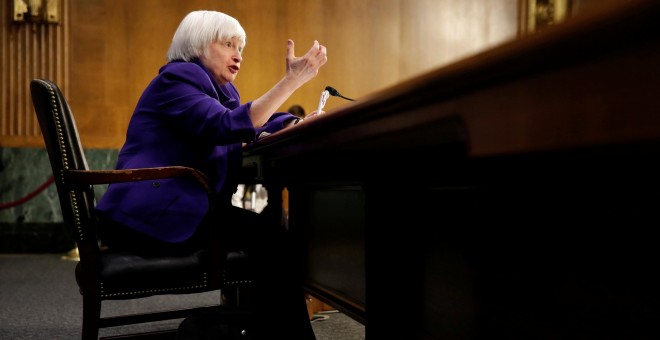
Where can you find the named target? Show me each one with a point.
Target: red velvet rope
(29, 196)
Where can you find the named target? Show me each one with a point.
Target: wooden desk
(512, 194)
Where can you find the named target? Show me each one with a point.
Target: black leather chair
(106, 275)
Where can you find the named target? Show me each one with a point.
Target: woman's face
(223, 59)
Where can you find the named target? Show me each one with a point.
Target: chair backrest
(65, 152)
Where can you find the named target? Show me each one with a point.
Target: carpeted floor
(39, 299)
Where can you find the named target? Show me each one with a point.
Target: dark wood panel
(510, 194)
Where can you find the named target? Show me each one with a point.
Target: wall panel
(29, 50)
(115, 47)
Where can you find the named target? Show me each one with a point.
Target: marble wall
(38, 220)
(36, 225)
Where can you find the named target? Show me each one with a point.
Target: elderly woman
(191, 115)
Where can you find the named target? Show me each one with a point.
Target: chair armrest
(95, 177)
(217, 253)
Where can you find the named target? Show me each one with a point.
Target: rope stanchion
(29, 196)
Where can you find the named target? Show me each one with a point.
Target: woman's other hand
(308, 117)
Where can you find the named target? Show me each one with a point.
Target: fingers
(318, 52)
(324, 53)
(290, 53)
(316, 48)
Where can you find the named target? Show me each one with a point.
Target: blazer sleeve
(186, 95)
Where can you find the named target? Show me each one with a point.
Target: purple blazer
(184, 117)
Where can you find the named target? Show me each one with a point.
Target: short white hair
(198, 30)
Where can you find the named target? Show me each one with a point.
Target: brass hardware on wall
(29, 50)
(36, 11)
(539, 14)
(20, 9)
(52, 12)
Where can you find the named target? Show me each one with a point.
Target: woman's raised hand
(306, 67)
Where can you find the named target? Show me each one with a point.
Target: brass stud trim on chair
(76, 214)
(154, 291)
(232, 282)
(65, 162)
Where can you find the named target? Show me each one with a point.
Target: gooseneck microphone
(329, 91)
(336, 93)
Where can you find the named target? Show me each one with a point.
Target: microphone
(336, 93)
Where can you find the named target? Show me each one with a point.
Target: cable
(318, 317)
(336, 93)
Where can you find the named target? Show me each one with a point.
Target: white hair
(198, 30)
